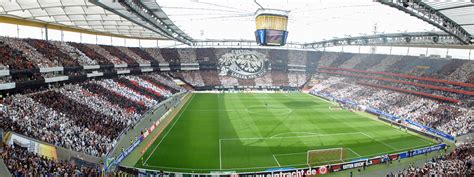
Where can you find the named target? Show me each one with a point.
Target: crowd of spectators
(51, 52)
(94, 102)
(133, 55)
(271, 78)
(352, 62)
(453, 70)
(385, 63)
(74, 53)
(187, 55)
(457, 163)
(210, 78)
(265, 80)
(13, 58)
(143, 54)
(296, 79)
(279, 78)
(155, 53)
(145, 91)
(165, 80)
(127, 92)
(115, 98)
(246, 82)
(450, 118)
(154, 88)
(21, 162)
(464, 73)
(29, 52)
(170, 55)
(327, 59)
(228, 81)
(86, 117)
(104, 53)
(91, 53)
(296, 57)
(193, 77)
(25, 116)
(114, 51)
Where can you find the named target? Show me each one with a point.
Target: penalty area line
(220, 155)
(354, 152)
(276, 160)
(388, 145)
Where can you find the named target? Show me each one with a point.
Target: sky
(309, 20)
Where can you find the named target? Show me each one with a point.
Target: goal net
(323, 156)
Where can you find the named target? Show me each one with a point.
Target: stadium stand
(52, 53)
(88, 116)
(451, 118)
(95, 106)
(21, 162)
(456, 163)
(100, 59)
(30, 53)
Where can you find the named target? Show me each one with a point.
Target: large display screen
(267, 37)
(274, 37)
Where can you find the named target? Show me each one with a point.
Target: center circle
(268, 110)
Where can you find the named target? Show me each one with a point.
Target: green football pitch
(257, 131)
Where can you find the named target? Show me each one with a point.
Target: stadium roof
(206, 20)
(461, 12)
(75, 13)
(309, 20)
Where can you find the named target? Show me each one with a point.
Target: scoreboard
(271, 27)
(268, 37)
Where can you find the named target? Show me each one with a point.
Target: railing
(109, 160)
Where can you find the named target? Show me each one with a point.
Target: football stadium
(250, 88)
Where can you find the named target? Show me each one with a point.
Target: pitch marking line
(289, 137)
(388, 145)
(354, 152)
(287, 154)
(172, 126)
(276, 160)
(220, 156)
(309, 133)
(261, 167)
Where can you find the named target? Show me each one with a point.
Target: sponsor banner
(146, 133)
(351, 165)
(280, 169)
(426, 150)
(432, 130)
(393, 157)
(403, 155)
(33, 146)
(47, 150)
(375, 161)
(129, 150)
(290, 173)
(337, 167)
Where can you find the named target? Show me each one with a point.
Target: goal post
(323, 156)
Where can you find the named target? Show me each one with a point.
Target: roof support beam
(139, 10)
(456, 7)
(417, 38)
(432, 16)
